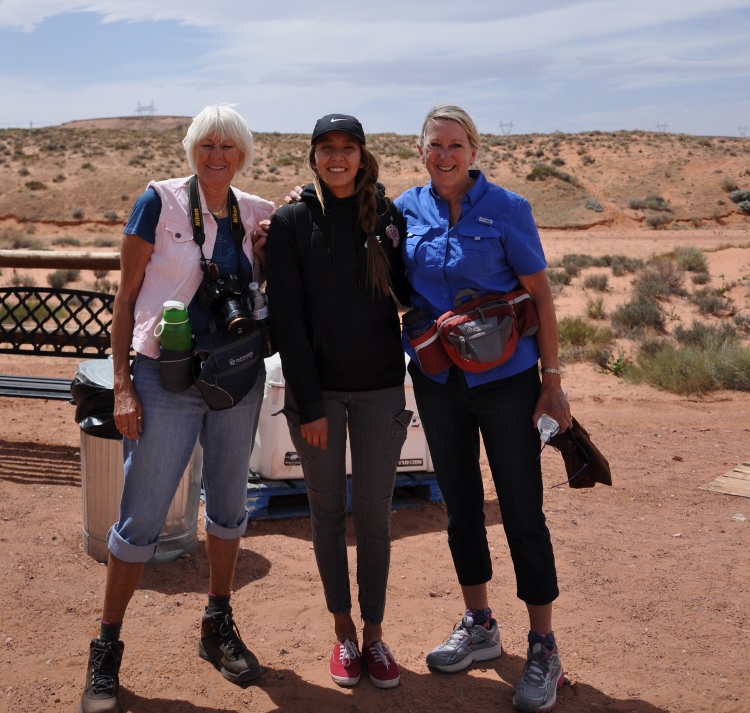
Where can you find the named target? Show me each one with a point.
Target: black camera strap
(237, 230)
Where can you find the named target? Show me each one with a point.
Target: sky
(541, 65)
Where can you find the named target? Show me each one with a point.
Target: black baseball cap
(338, 122)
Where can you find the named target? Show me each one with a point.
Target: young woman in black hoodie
(332, 262)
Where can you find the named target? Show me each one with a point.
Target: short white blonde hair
(451, 112)
(224, 122)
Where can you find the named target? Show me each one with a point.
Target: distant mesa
(152, 123)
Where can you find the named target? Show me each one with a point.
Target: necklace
(217, 213)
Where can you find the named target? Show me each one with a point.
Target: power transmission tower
(506, 129)
(661, 127)
(145, 112)
(742, 130)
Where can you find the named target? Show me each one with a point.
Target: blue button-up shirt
(493, 242)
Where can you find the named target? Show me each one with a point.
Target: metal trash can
(102, 472)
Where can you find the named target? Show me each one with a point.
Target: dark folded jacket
(584, 463)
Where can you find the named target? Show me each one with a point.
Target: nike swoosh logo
(332, 120)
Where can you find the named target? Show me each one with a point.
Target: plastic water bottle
(261, 319)
(416, 322)
(547, 427)
(174, 330)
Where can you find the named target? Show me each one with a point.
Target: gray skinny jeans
(377, 423)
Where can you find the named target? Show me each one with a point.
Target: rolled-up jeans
(155, 463)
(377, 423)
(453, 415)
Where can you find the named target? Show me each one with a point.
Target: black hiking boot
(221, 645)
(102, 677)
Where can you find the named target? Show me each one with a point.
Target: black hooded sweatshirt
(331, 332)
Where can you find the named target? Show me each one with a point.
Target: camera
(224, 296)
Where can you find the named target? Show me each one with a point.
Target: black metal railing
(55, 322)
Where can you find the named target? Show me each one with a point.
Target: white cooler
(274, 457)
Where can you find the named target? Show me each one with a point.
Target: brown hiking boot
(102, 677)
(221, 645)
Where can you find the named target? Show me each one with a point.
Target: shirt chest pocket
(416, 246)
(481, 250)
(177, 232)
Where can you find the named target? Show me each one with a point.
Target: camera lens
(236, 318)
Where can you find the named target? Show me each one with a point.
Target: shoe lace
(347, 650)
(379, 652)
(457, 635)
(230, 635)
(537, 667)
(104, 669)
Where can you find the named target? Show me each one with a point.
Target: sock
(547, 640)
(109, 632)
(481, 617)
(217, 603)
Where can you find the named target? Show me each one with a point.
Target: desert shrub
(110, 214)
(636, 204)
(744, 206)
(596, 282)
(703, 141)
(77, 213)
(104, 285)
(659, 279)
(124, 196)
(22, 280)
(691, 260)
(739, 196)
(593, 204)
(637, 315)
(15, 240)
(587, 159)
(700, 278)
(405, 154)
(543, 171)
(87, 165)
(99, 274)
(67, 240)
(59, 178)
(577, 338)
(622, 264)
(559, 277)
(695, 369)
(712, 301)
(23, 171)
(56, 278)
(728, 184)
(656, 221)
(595, 307)
(35, 186)
(273, 168)
(106, 242)
(557, 161)
(704, 335)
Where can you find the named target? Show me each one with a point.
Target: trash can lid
(98, 372)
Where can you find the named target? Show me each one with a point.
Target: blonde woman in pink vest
(205, 263)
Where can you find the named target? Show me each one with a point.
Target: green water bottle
(174, 330)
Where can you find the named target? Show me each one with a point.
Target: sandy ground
(653, 571)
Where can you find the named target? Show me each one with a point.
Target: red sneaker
(381, 666)
(346, 663)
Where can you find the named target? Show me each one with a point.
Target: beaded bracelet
(551, 370)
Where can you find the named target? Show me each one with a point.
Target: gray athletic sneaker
(542, 676)
(466, 644)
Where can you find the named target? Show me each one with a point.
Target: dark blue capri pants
(453, 415)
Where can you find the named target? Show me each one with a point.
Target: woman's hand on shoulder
(259, 239)
(553, 401)
(295, 195)
(316, 433)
